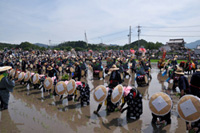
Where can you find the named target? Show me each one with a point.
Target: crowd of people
(118, 66)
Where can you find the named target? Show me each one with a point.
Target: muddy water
(31, 113)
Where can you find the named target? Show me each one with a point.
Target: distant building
(197, 51)
(166, 47)
(198, 47)
(101, 44)
(176, 44)
(113, 45)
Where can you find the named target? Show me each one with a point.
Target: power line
(111, 34)
(139, 31)
(190, 26)
(171, 31)
(168, 36)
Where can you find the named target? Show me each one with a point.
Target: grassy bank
(156, 60)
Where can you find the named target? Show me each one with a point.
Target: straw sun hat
(113, 68)
(100, 94)
(188, 108)
(117, 94)
(49, 68)
(198, 69)
(160, 104)
(179, 71)
(5, 68)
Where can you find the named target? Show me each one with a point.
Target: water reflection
(7, 124)
(36, 116)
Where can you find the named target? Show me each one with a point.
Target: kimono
(6, 86)
(195, 84)
(161, 118)
(84, 93)
(109, 105)
(115, 79)
(77, 73)
(134, 102)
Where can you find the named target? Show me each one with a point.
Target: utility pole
(101, 40)
(139, 31)
(129, 35)
(86, 40)
(49, 43)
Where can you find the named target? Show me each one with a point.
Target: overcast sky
(104, 21)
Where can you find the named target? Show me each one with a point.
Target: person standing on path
(6, 86)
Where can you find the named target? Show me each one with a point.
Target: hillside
(82, 46)
(7, 45)
(192, 44)
(41, 45)
(147, 45)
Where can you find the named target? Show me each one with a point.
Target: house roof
(175, 41)
(197, 51)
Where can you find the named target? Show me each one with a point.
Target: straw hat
(179, 71)
(12, 73)
(176, 56)
(117, 94)
(76, 63)
(61, 87)
(35, 78)
(198, 69)
(27, 76)
(21, 76)
(100, 93)
(5, 68)
(132, 56)
(160, 104)
(60, 68)
(49, 68)
(43, 67)
(188, 108)
(16, 74)
(113, 68)
(48, 83)
(72, 69)
(71, 87)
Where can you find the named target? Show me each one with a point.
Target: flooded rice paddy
(31, 113)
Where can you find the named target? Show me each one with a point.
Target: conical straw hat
(117, 94)
(36, 78)
(72, 69)
(21, 76)
(48, 83)
(5, 68)
(71, 86)
(61, 88)
(27, 76)
(60, 68)
(160, 104)
(100, 94)
(17, 73)
(188, 108)
(12, 73)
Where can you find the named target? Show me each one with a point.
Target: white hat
(160, 104)
(5, 68)
(189, 108)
